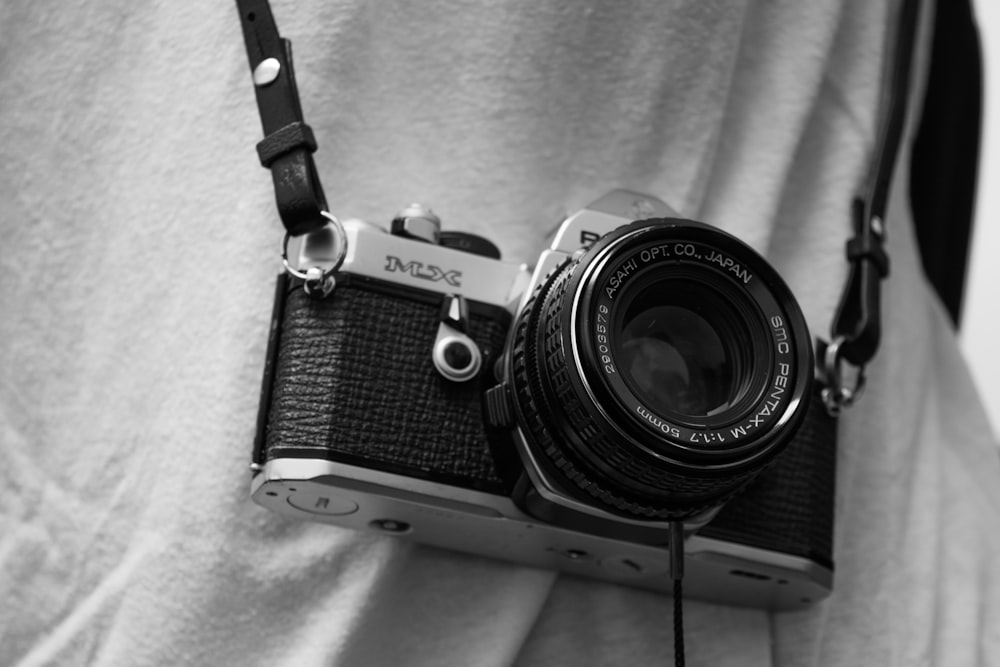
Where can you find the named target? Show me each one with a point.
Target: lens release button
(498, 409)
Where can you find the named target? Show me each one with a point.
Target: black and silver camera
(650, 370)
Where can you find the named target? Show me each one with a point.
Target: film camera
(650, 370)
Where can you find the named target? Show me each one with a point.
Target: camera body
(649, 370)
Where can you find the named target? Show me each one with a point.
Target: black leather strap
(857, 322)
(288, 142)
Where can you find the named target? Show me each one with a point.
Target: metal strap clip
(317, 256)
(839, 393)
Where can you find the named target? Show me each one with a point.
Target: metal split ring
(836, 394)
(329, 254)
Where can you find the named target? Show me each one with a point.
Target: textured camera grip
(354, 382)
(789, 508)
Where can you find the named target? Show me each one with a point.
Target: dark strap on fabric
(288, 142)
(857, 322)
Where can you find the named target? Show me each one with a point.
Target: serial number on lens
(601, 336)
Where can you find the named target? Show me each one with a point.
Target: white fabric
(139, 245)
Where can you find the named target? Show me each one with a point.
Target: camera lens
(682, 349)
(658, 372)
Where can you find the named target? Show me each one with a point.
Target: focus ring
(678, 490)
(530, 396)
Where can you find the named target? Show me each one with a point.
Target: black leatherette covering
(353, 381)
(789, 508)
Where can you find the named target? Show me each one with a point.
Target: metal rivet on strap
(266, 72)
(877, 226)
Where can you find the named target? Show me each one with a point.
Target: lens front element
(682, 349)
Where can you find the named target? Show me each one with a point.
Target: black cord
(677, 574)
(678, 624)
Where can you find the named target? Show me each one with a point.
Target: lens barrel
(658, 372)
